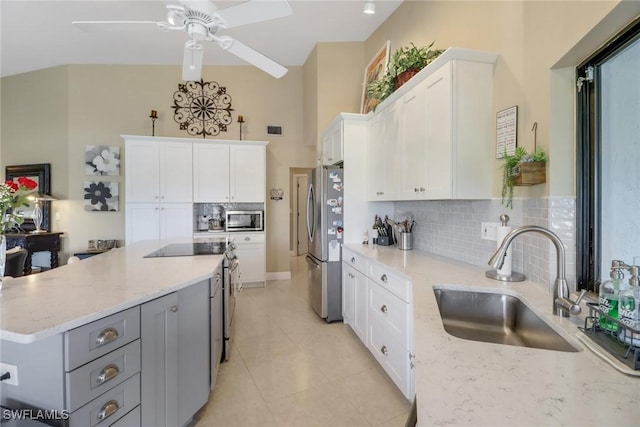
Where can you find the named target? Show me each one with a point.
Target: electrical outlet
(489, 230)
(12, 370)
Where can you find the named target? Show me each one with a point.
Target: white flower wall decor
(102, 160)
(101, 196)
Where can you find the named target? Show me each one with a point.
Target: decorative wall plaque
(202, 108)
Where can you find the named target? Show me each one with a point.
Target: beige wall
(531, 37)
(50, 115)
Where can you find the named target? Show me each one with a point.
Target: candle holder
(153, 116)
(240, 121)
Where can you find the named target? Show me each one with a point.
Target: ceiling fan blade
(253, 11)
(114, 26)
(192, 62)
(252, 56)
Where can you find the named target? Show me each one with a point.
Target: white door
(299, 215)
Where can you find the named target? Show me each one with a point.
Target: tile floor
(289, 368)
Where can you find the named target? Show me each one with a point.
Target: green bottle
(608, 303)
(629, 315)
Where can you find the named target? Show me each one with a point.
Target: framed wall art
(506, 131)
(376, 68)
(101, 196)
(102, 160)
(40, 173)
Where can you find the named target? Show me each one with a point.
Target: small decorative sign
(277, 193)
(506, 132)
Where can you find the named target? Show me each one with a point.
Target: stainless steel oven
(244, 221)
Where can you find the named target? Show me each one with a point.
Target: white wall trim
(279, 275)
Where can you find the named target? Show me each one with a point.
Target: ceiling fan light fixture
(192, 62)
(369, 7)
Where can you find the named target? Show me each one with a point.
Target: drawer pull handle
(247, 238)
(384, 278)
(384, 309)
(384, 350)
(107, 336)
(108, 409)
(353, 260)
(174, 308)
(108, 372)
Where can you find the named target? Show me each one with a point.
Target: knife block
(385, 241)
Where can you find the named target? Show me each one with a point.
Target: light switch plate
(489, 230)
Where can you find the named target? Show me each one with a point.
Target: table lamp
(38, 198)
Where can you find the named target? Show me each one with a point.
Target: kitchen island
(462, 382)
(104, 339)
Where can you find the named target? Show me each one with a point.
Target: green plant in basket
(510, 170)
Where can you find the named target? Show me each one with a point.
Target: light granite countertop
(44, 304)
(462, 382)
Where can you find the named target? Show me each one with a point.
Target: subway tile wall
(453, 229)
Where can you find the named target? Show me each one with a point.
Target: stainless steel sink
(496, 318)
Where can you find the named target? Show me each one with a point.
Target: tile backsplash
(452, 228)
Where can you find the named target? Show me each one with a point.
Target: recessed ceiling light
(369, 7)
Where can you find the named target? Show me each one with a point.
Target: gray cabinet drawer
(98, 338)
(110, 406)
(132, 419)
(91, 380)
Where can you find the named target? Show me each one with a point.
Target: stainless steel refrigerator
(325, 231)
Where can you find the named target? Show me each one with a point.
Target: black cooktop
(189, 249)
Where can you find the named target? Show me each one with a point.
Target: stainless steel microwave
(244, 221)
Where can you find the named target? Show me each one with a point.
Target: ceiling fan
(202, 21)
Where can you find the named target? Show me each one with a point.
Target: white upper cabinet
(435, 134)
(210, 172)
(224, 172)
(332, 143)
(158, 171)
(247, 179)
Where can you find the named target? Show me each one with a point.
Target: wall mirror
(40, 173)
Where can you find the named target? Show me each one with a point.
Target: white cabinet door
(384, 132)
(176, 172)
(348, 295)
(247, 173)
(142, 180)
(413, 174)
(251, 251)
(332, 141)
(439, 137)
(361, 315)
(158, 171)
(210, 173)
(176, 220)
(142, 222)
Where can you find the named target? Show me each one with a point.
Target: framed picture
(102, 160)
(506, 131)
(101, 196)
(376, 68)
(40, 173)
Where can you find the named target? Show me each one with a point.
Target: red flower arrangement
(13, 195)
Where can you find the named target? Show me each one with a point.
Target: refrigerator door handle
(310, 212)
(312, 262)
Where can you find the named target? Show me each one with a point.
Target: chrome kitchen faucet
(562, 305)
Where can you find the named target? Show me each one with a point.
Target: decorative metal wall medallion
(202, 108)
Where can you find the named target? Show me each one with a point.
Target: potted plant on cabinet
(522, 168)
(404, 64)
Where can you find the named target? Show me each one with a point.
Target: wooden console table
(36, 242)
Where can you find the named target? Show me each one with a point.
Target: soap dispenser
(609, 295)
(629, 309)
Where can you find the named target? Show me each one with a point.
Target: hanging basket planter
(530, 173)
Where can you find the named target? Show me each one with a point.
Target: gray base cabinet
(175, 356)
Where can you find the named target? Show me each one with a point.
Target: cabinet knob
(384, 350)
(422, 189)
(384, 278)
(108, 409)
(351, 275)
(108, 372)
(330, 159)
(106, 336)
(384, 309)
(174, 308)
(353, 260)
(415, 190)
(247, 238)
